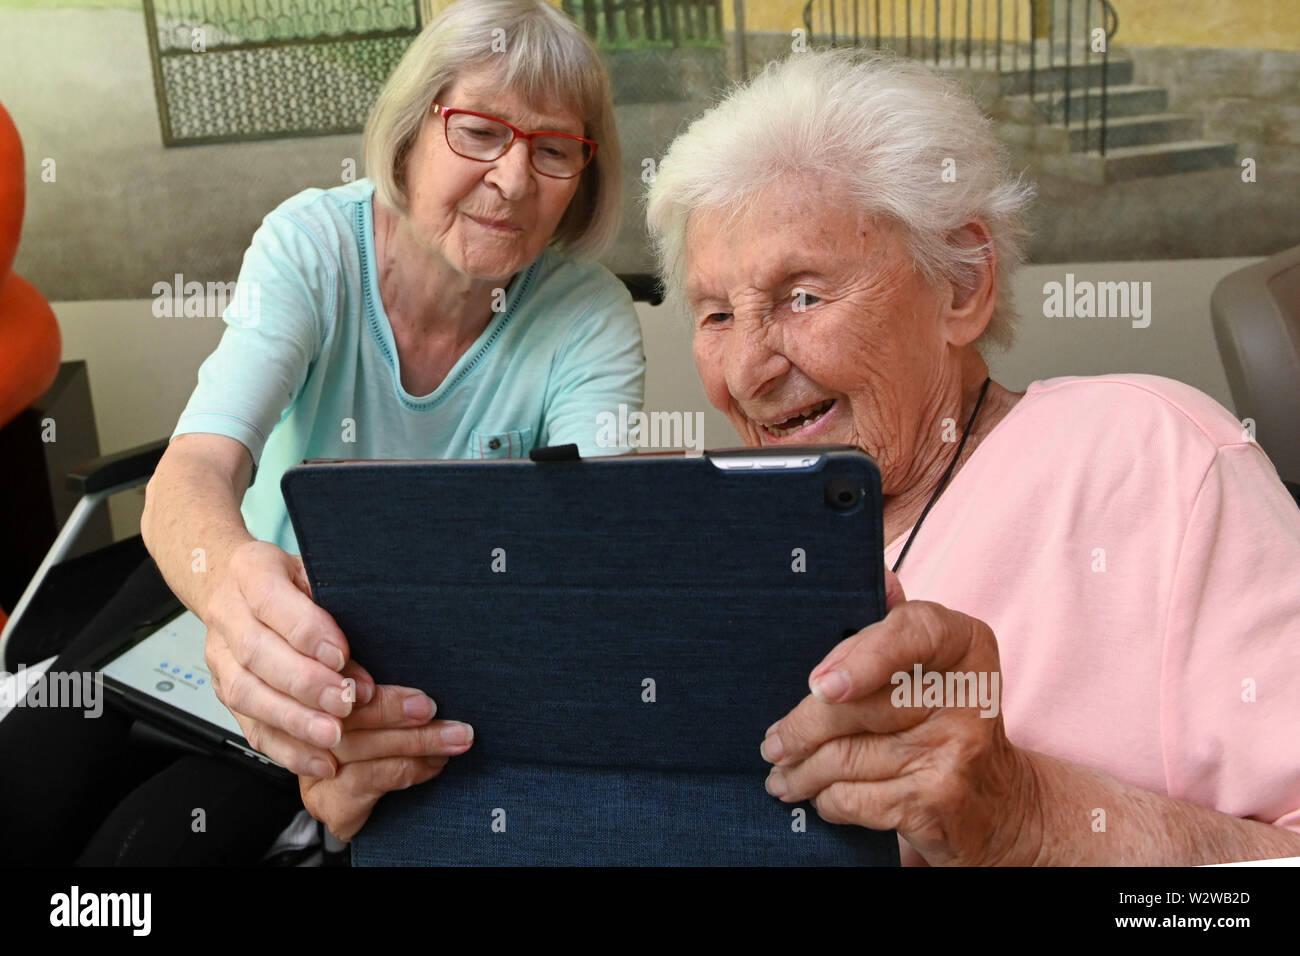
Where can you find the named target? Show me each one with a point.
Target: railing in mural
(648, 22)
(235, 70)
(239, 70)
(959, 33)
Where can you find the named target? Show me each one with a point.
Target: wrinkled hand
(388, 744)
(279, 662)
(946, 778)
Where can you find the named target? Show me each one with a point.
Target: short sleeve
(599, 366)
(1230, 684)
(275, 323)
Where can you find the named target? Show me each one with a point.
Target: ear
(966, 313)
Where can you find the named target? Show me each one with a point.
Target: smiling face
(487, 220)
(866, 361)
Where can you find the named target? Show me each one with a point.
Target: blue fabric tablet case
(617, 571)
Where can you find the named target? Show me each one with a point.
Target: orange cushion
(12, 185)
(29, 361)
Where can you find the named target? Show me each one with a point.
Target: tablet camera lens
(842, 493)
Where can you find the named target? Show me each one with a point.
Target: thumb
(300, 575)
(893, 591)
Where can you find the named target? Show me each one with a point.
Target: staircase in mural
(1142, 137)
(1047, 70)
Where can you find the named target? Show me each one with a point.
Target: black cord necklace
(944, 480)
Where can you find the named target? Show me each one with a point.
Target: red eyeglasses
(485, 138)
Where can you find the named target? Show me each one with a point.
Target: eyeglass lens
(477, 138)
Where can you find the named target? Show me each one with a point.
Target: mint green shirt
(307, 366)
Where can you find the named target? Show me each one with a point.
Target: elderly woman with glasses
(1114, 550)
(447, 306)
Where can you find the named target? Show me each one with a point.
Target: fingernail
(831, 686)
(329, 655)
(366, 693)
(349, 690)
(418, 707)
(335, 698)
(457, 733)
(775, 784)
(771, 749)
(326, 732)
(320, 768)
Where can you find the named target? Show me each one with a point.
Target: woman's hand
(279, 662)
(388, 744)
(945, 777)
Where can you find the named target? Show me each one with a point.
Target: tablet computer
(157, 673)
(620, 632)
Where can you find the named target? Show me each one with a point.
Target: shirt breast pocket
(512, 443)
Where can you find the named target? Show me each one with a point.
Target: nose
(512, 172)
(754, 360)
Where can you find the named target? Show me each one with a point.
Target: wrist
(210, 569)
(1024, 838)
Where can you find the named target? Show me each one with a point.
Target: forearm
(191, 526)
(1141, 828)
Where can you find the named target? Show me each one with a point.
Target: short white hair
(883, 127)
(548, 60)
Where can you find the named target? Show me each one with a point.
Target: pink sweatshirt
(1139, 561)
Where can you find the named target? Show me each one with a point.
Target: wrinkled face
(487, 220)
(811, 326)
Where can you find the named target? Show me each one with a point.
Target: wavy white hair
(882, 126)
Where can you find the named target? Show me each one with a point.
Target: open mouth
(801, 419)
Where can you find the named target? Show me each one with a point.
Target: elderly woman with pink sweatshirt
(1112, 557)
